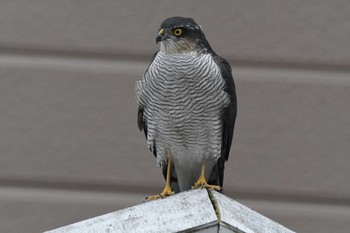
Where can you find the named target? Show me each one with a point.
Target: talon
(153, 197)
(201, 182)
(167, 189)
(166, 192)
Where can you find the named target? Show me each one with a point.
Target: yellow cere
(161, 31)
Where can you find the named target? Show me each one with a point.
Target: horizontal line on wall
(272, 195)
(86, 54)
(136, 67)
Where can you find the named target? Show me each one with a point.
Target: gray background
(69, 144)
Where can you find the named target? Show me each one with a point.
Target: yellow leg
(201, 182)
(167, 189)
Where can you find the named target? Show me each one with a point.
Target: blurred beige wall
(70, 148)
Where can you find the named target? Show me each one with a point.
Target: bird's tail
(217, 175)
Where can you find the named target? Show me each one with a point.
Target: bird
(187, 108)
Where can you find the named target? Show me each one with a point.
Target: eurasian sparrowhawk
(187, 108)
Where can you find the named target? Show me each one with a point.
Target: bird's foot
(166, 192)
(201, 182)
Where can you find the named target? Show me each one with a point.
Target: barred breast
(183, 96)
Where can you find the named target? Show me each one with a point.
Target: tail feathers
(217, 175)
(174, 184)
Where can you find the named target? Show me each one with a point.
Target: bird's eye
(177, 31)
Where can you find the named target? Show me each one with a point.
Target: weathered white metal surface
(237, 216)
(186, 210)
(195, 210)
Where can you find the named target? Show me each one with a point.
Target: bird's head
(181, 35)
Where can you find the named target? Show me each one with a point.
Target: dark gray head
(181, 35)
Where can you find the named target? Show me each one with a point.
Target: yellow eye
(177, 32)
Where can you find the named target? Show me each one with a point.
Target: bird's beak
(161, 35)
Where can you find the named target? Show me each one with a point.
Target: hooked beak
(161, 35)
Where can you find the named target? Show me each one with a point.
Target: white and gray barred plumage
(187, 105)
